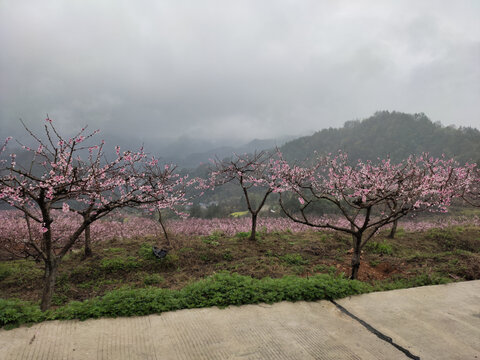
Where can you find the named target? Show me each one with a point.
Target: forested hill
(393, 134)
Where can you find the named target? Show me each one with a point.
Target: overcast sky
(235, 69)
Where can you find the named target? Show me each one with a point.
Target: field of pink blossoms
(13, 226)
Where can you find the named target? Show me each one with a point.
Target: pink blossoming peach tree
(368, 195)
(60, 178)
(255, 172)
(469, 176)
(163, 188)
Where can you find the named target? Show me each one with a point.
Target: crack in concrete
(379, 334)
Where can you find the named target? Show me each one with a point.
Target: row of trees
(70, 175)
(368, 196)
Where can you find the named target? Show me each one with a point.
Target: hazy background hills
(393, 134)
(385, 133)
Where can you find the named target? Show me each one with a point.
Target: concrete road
(434, 322)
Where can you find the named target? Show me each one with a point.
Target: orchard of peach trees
(70, 184)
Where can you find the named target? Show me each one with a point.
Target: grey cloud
(236, 70)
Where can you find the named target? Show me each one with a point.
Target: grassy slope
(123, 277)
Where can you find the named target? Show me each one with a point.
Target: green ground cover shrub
(153, 279)
(222, 289)
(403, 283)
(376, 247)
(207, 240)
(14, 312)
(294, 259)
(243, 234)
(145, 252)
(19, 271)
(5, 270)
(119, 264)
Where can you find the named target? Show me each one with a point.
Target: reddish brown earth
(452, 253)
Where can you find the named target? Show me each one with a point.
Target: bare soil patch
(451, 253)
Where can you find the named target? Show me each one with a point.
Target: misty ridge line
(384, 134)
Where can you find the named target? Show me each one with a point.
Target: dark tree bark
(160, 220)
(50, 276)
(88, 250)
(360, 234)
(393, 230)
(88, 247)
(356, 256)
(254, 227)
(249, 172)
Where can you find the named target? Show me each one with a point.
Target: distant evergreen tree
(393, 134)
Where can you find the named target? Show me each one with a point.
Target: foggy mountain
(393, 134)
(189, 152)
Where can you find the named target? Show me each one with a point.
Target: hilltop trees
(257, 172)
(392, 134)
(368, 196)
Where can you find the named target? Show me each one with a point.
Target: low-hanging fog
(226, 72)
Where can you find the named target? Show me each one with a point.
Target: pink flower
(65, 208)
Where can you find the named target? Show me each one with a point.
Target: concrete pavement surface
(434, 322)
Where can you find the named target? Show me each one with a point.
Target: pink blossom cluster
(468, 179)
(257, 170)
(384, 191)
(232, 226)
(441, 223)
(14, 231)
(67, 175)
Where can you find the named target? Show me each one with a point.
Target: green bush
(20, 271)
(153, 279)
(146, 252)
(5, 270)
(208, 240)
(170, 260)
(225, 289)
(222, 289)
(331, 270)
(59, 299)
(379, 247)
(16, 312)
(115, 250)
(323, 237)
(119, 264)
(243, 234)
(213, 237)
(374, 263)
(294, 259)
(419, 280)
(84, 271)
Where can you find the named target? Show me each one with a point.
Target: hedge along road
(432, 322)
